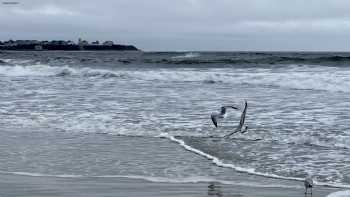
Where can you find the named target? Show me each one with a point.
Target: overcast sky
(185, 24)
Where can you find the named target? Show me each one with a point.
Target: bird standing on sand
(215, 116)
(308, 183)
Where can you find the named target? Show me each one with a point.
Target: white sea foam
(200, 179)
(329, 79)
(47, 70)
(187, 55)
(334, 80)
(16, 61)
(42, 175)
(6, 60)
(220, 163)
(345, 193)
(34, 70)
(195, 179)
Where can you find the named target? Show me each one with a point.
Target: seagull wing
(241, 122)
(231, 106)
(213, 118)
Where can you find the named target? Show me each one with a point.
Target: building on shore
(45, 42)
(9, 43)
(82, 42)
(69, 42)
(96, 42)
(108, 43)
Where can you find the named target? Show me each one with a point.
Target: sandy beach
(17, 185)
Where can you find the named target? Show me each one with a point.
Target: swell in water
(191, 58)
(219, 163)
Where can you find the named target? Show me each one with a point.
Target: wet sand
(18, 185)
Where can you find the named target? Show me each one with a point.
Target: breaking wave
(59, 71)
(292, 77)
(310, 79)
(220, 163)
(187, 55)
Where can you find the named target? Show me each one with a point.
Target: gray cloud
(185, 24)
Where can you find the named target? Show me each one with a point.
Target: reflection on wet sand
(215, 190)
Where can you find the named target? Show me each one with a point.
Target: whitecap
(187, 56)
(43, 70)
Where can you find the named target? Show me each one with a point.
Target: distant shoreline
(74, 47)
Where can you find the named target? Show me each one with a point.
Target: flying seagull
(215, 116)
(308, 183)
(241, 122)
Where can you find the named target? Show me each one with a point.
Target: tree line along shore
(63, 45)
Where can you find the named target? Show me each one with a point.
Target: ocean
(146, 115)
